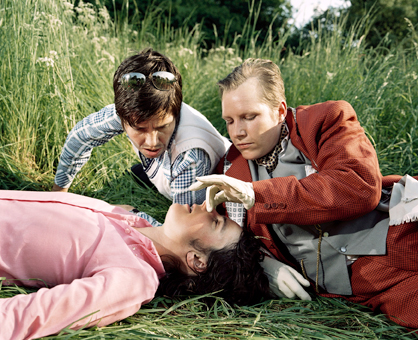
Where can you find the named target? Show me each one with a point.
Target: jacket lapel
(239, 168)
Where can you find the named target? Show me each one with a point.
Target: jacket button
(266, 205)
(274, 205)
(282, 205)
(343, 249)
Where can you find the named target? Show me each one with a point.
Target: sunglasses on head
(161, 80)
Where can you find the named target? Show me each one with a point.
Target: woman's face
(211, 230)
(253, 126)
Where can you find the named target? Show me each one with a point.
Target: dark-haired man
(174, 142)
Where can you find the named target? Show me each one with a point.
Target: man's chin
(248, 155)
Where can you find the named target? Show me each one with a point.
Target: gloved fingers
(276, 291)
(214, 201)
(211, 179)
(289, 282)
(198, 185)
(221, 197)
(222, 181)
(299, 277)
(211, 193)
(296, 290)
(286, 290)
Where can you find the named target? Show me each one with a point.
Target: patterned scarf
(271, 159)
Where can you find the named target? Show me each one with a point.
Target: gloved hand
(284, 280)
(224, 188)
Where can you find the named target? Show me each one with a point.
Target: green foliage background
(56, 67)
(219, 21)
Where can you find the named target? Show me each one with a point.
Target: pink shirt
(93, 262)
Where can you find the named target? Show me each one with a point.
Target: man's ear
(282, 111)
(196, 261)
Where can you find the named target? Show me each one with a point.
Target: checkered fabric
(236, 211)
(182, 173)
(151, 220)
(98, 128)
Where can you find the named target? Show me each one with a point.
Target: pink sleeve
(108, 296)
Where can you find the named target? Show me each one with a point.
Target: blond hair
(265, 71)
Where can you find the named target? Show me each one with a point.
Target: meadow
(56, 67)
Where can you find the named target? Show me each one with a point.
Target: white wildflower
(53, 54)
(68, 5)
(104, 14)
(183, 51)
(330, 75)
(48, 61)
(86, 13)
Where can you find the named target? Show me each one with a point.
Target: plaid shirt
(98, 128)
(151, 220)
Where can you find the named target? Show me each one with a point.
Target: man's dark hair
(236, 271)
(137, 106)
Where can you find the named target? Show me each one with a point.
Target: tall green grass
(56, 67)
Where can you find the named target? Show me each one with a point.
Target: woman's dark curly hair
(235, 271)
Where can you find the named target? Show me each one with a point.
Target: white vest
(193, 132)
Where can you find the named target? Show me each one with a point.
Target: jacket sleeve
(108, 296)
(347, 183)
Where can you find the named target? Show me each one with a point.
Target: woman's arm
(109, 295)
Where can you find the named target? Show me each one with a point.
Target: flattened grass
(40, 101)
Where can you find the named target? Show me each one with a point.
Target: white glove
(284, 280)
(225, 189)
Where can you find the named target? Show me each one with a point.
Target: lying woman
(96, 263)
